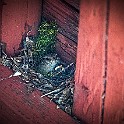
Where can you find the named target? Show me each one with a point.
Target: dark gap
(106, 59)
(3, 3)
(27, 9)
(42, 5)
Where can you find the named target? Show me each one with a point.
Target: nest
(50, 75)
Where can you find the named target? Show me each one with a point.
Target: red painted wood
(0, 18)
(89, 66)
(66, 17)
(34, 14)
(114, 103)
(66, 49)
(15, 14)
(74, 3)
(27, 108)
(7, 116)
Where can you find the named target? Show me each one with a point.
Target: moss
(45, 41)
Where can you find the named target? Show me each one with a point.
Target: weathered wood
(66, 18)
(90, 61)
(114, 102)
(74, 3)
(34, 14)
(66, 48)
(17, 13)
(0, 18)
(27, 106)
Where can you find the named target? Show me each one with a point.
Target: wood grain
(90, 61)
(74, 3)
(66, 48)
(15, 15)
(0, 18)
(67, 20)
(114, 102)
(17, 103)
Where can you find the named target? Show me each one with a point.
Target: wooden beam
(15, 15)
(90, 61)
(66, 17)
(114, 102)
(18, 106)
(0, 18)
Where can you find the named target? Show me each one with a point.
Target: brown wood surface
(90, 61)
(65, 14)
(114, 102)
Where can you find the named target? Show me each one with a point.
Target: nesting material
(53, 77)
(2, 48)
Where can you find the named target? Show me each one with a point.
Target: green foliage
(45, 41)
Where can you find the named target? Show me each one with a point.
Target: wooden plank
(114, 102)
(62, 7)
(13, 21)
(34, 14)
(61, 18)
(0, 18)
(66, 49)
(15, 15)
(67, 20)
(74, 3)
(90, 61)
(6, 118)
(63, 30)
(27, 106)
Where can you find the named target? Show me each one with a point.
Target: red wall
(14, 16)
(114, 105)
(99, 79)
(88, 78)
